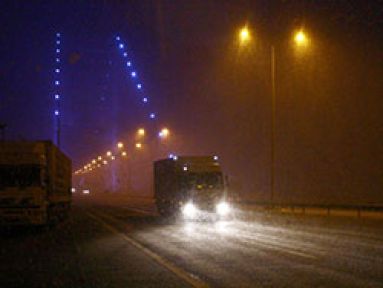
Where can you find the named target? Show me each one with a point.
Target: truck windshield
(203, 180)
(19, 176)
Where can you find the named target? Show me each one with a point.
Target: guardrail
(375, 212)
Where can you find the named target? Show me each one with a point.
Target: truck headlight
(223, 208)
(189, 210)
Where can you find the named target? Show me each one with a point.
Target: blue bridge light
(133, 73)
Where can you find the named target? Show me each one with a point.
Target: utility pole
(273, 96)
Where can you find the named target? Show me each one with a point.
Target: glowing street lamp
(124, 154)
(138, 145)
(99, 158)
(300, 38)
(141, 132)
(164, 133)
(244, 35)
(120, 145)
(109, 153)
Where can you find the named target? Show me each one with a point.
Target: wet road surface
(105, 246)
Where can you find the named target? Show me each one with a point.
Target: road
(122, 246)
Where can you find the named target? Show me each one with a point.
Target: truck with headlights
(190, 185)
(35, 183)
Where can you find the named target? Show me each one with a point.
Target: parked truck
(35, 183)
(193, 186)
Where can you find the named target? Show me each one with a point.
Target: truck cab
(35, 182)
(190, 185)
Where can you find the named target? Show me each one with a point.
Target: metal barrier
(375, 212)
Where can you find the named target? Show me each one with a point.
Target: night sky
(213, 94)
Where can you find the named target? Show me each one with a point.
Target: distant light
(58, 34)
(124, 154)
(145, 100)
(109, 153)
(134, 74)
(86, 191)
(57, 70)
(139, 86)
(99, 165)
(58, 42)
(105, 162)
(141, 131)
(120, 145)
(121, 46)
(175, 157)
(74, 189)
(152, 115)
(244, 34)
(99, 158)
(164, 133)
(215, 158)
(185, 168)
(118, 38)
(128, 63)
(57, 96)
(138, 145)
(125, 54)
(57, 60)
(57, 50)
(57, 112)
(94, 161)
(171, 156)
(112, 157)
(300, 38)
(57, 82)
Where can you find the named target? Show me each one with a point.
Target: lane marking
(185, 276)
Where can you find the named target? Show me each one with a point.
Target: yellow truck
(35, 183)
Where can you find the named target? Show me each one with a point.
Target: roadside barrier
(374, 212)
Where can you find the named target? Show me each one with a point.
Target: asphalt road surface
(123, 246)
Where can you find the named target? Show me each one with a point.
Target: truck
(35, 183)
(192, 186)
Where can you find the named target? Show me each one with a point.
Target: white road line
(187, 277)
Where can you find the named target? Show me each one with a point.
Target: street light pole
(273, 96)
(300, 39)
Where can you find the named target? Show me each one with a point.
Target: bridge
(294, 119)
